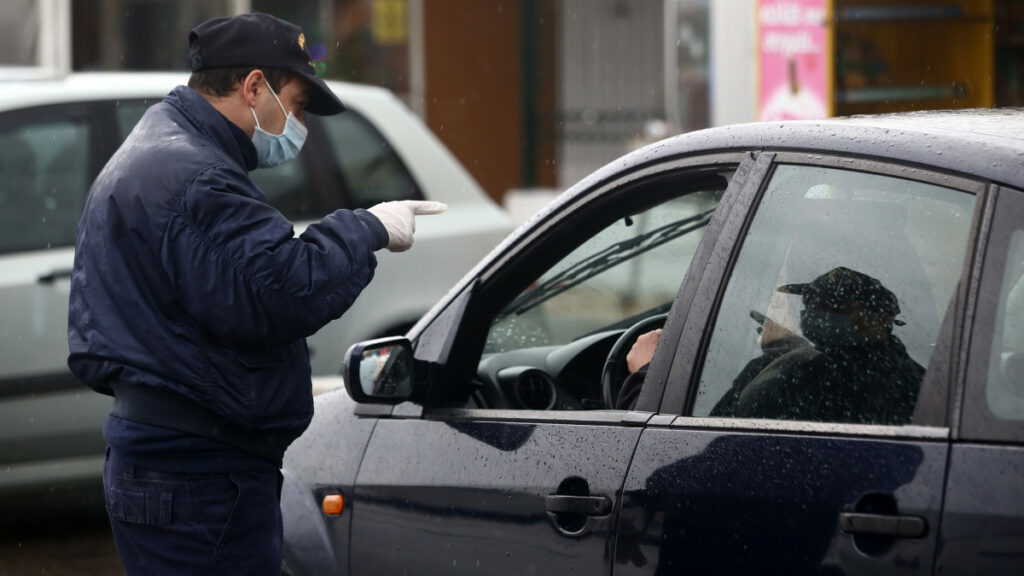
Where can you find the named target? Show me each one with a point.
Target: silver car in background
(55, 136)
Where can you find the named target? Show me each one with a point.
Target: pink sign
(793, 60)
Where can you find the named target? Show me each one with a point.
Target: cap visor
(322, 100)
(792, 288)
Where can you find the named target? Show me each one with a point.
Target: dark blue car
(838, 386)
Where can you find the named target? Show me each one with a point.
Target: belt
(159, 407)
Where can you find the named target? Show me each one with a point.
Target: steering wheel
(614, 372)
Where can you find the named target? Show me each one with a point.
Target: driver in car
(847, 367)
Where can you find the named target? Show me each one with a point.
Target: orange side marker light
(333, 504)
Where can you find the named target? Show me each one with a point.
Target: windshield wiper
(607, 258)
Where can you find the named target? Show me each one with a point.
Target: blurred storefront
(527, 93)
(34, 38)
(537, 93)
(821, 58)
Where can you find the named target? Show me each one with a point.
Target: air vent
(535, 390)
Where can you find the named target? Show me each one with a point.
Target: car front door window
(551, 346)
(833, 307)
(633, 266)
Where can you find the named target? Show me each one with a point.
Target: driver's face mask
(829, 329)
(275, 149)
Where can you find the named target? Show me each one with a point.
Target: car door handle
(585, 505)
(52, 277)
(883, 525)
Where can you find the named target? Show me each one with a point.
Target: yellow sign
(390, 22)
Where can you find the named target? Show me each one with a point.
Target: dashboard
(563, 377)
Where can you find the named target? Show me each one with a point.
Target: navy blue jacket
(190, 290)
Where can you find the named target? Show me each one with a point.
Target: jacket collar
(214, 126)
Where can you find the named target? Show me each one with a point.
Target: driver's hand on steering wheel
(643, 350)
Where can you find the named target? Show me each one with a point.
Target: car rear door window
(286, 188)
(369, 167)
(129, 112)
(833, 308)
(44, 177)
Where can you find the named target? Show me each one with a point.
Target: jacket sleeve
(238, 269)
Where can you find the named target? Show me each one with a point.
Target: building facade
(537, 93)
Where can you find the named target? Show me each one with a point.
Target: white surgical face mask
(274, 149)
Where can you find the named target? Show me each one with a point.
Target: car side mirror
(379, 371)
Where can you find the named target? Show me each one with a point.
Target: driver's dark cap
(260, 41)
(840, 287)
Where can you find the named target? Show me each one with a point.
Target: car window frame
(974, 421)
(942, 373)
(469, 314)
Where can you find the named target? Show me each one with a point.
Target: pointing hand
(399, 218)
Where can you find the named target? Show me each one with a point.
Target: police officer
(191, 299)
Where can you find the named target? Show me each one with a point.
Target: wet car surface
(837, 388)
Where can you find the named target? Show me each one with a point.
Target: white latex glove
(399, 218)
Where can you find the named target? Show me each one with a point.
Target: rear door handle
(51, 277)
(584, 505)
(883, 525)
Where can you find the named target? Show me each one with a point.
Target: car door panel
(474, 494)
(317, 543)
(726, 502)
(983, 518)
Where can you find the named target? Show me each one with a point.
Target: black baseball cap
(835, 289)
(260, 40)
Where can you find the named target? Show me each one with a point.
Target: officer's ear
(252, 85)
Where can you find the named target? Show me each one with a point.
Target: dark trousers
(169, 523)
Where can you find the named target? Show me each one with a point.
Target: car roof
(986, 144)
(90, 86)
